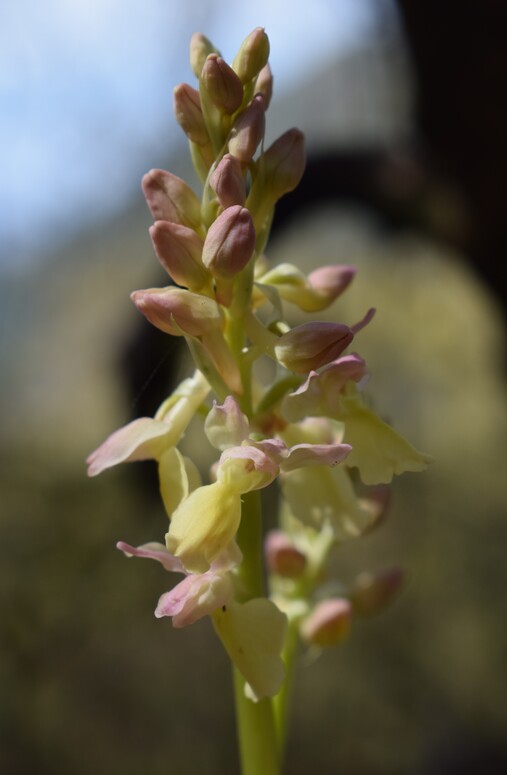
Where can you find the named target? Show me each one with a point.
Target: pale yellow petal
(378, 451)
(203, 525)
(173, 479)
(253, 635)
(319, 495)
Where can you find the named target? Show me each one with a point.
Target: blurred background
(403, 105)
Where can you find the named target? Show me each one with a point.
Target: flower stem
(281, 703)
(256, 733)
(257, 738)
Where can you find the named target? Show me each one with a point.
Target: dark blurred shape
(459, 57)
(467, 754)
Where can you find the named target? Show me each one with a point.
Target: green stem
(249, 538)
(256, 733)
(281, 703)
(257, 738)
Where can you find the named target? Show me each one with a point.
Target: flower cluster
(309, 429)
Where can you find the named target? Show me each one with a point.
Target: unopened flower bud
(252, 55)
(248, 130)
(200, 49)
(282, 557)
(284, 163)
(184, 313)
(188, 113)
(222, 84)
(330, 281)
(178, 312)
(328, 623)
(171, 199)
(372, 592)
(230, 242)
(264, 85)
(228, 183)
(312, 345)
(179, 250)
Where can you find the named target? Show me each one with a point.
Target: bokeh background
(403, 104)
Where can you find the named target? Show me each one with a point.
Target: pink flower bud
(178, 312)
(228, 183)
(248, 130)
(200, 49)
(252, 55)
(331, 281)
(312, 345)
(328, 624)
(282, 557)
(284, 163)
(230, 242)
(179, 251)
(264, 85)
(222, 84)
(170, 199)
(372, 592)
(184, 313)
(188, 112)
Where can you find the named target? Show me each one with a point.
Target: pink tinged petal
(171, 199)
(332, 280)
(179, 250)
(315, 454)
(228, 182)
(153, 551)
(194, 597)
(284, 163)
(246, 468)
(328, 624)
(221, 83)
(223, 360)
(248, 130)
(179, 312)
(142, 439)
(275, 449)
(229, 243)
(320, 394)
(312, 345)
(364, 322)
(200, 48)
(282, 557)
(188, 113)
(253, 635)
(229, 559)
(264, 85)
(226, 425)
(252, 55)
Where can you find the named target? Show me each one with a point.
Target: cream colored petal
(318, 495)
(253, 635)
(142, 439)
(203, 525)
(173, 478)
(378, 451)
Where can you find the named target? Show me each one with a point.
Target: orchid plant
(301, 421)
